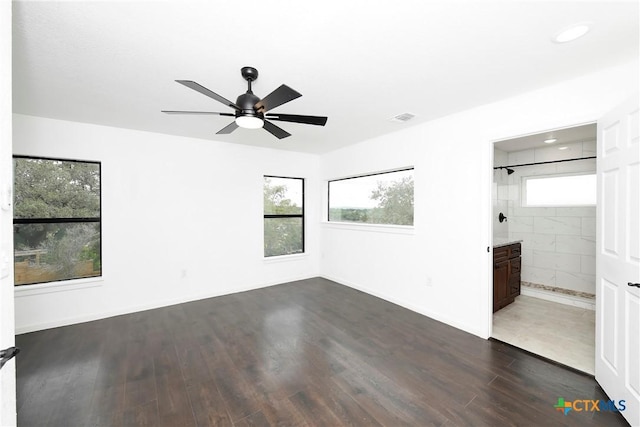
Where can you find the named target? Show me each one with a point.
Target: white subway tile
(586, 166)
(514, 192)
(541, 242)
(588, 263)
(522, 224)
(551, 153)
(576, 281)
(557, 261)
(557, 225)
(575, 245)
(588, 148)
(588, 227)
(534, 211)
(524, 156)
(538, 275)
(527, 257)
(584, 211)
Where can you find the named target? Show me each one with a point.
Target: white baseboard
(143, 307)
(435, 316)
(559, 298)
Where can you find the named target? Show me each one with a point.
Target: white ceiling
(583, 133)
(358, 62)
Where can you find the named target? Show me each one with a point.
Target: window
(382, 198)
(283, 216)
(56, 225)
(560, 190)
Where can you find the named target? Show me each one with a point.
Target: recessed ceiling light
(550, 140)
(571, 33)
(563, 148)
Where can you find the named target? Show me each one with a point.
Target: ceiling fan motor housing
(246, 102)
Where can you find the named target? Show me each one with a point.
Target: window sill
(376, 228)
(285, 258)
(62, 286)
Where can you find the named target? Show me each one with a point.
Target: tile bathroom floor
(559, 332)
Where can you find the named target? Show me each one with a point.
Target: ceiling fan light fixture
(249, 122)
(573, 32)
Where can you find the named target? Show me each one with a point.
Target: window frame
(329, 221)
(524, 190)
(27, 221)
(281, 216)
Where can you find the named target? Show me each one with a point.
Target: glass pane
(385, 198)
(573, 190)
(282, 196)
(50, 252)
(56, 189)
(282, 236)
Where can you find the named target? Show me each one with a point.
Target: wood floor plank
(208, 406)
(304, 353)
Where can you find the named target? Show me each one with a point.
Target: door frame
(490, 155)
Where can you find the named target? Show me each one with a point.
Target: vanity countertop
(503, 241)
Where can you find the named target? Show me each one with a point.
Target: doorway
(544, 212)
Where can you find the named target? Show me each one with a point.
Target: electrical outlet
(429, 282)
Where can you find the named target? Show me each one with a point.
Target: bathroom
(544, 198)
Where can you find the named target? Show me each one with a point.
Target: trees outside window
(283, 216)
(382, 198)
(57, 220)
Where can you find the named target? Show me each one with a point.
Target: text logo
(588, 405)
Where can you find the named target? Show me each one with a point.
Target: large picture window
(56, 225)
(381, 198)
(283, 216)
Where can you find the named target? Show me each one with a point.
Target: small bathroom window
(559, 190)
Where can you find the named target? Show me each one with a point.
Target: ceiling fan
(251, 111)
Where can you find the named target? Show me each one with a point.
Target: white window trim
(376, 228)
(60, 286)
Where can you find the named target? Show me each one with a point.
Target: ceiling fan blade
(228, 128)
(295, 118)
(198, 112)
(280, 96)
(203, 90)
(275, 130)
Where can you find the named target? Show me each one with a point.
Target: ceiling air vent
(404, 117)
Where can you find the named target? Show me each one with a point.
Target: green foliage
(282, 236)
(349, 214)
(56, 189)
(395, 202)
(47, 188)
(394, 205)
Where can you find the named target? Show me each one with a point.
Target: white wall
(173, 204)
(558, 243)
(453, 180)
(171, 207)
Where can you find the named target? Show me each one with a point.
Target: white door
(618, 258)
(8, 372)
(7, 337)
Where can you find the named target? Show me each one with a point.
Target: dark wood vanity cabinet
(506, 275)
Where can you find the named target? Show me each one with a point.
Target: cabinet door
(500, 284)
(514, 277)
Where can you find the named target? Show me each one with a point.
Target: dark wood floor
(305, 353)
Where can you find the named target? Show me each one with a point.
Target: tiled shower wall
(500, 201)
(558, 247)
